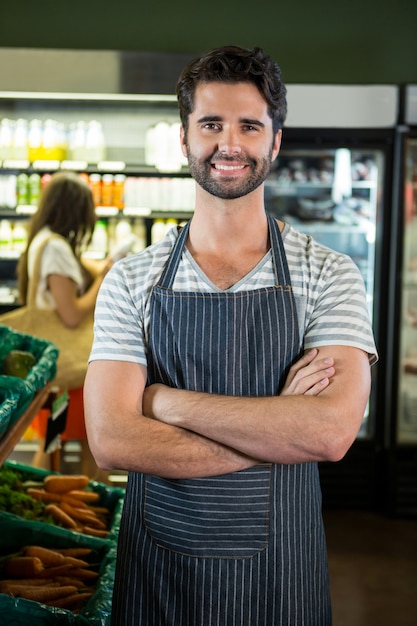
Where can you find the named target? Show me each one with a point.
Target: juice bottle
(10, 191)
(94, 181)
(107, 187)
(35, 140)
(45, 180)
(20, 140)
(158, 230)
(99, 242)
(118, 190)
(5, 235)
(22, 190)
(19, 237)
(95, 146)
(139, 229)
(123, 231)
(6, 138)
(34, 189)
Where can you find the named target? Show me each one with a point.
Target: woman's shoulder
(52, 245)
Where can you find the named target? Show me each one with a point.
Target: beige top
(57, 258)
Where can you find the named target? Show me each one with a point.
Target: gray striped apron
(239, 549)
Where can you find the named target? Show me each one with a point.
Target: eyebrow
(218, 118)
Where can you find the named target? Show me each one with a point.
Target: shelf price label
(45, 165)
(111, 166)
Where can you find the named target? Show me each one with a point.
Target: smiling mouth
(228, 168)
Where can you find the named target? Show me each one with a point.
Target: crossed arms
(185, 434)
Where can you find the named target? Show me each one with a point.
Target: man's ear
(277, 144)
(183, 142)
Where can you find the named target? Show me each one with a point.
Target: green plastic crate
(15, 533)
(15, 397)
(45, 353)
(110, 497)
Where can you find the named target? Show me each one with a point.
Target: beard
(227, 187)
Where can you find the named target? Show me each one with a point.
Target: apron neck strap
(282, 274)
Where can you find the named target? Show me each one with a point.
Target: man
(197, 385)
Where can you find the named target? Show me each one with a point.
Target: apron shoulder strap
(167, 277)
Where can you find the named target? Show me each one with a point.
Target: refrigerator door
(335, 195)
(407, 384)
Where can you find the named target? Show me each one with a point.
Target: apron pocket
(224, 516)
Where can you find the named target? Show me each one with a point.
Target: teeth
(228, 167)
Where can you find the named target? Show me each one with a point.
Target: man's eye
(211, 126)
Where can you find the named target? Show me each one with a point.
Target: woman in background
(68, 284)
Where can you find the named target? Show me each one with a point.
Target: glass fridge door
(335, 196)
(407, 397)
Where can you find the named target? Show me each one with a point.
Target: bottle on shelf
(22, 191)
(45, 178)
(34, 188)
(95, 145)
(118, 190)
(100, 242)
(35, 140)
(6, 138)
(19, 236)
(20, 140)
(158, 230)
(170, 223)
(50, 148)
(6, 235)
(107, 187)
(76, 142)
(8, 191)
(94, 181)
(123, 231)
(139, 230)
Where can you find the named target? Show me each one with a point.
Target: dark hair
(232, 64)
(66, 206)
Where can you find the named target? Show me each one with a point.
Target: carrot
(85, 496)
(99, 510)
(84, 574)
(76, 552)
(95, 522)
(83, 515)
(23, 567)
(68, 509)
(72, 602)
(79, 504)
(58, 570)
(48, 557)
(71, 561)
(40, 594)
(69, 580)
(34, 582)
(62, 484)
(60, 516)
(95, 532)
(41, 494)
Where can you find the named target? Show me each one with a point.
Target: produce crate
(15, 397)
(45, 353)
(110, 497)
(16, 533)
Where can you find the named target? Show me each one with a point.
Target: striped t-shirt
(328, 288)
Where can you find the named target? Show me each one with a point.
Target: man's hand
(309, 376)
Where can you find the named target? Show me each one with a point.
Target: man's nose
(229, 142)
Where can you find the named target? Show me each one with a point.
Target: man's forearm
(255, 426)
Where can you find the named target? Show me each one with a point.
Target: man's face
(229, 143)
